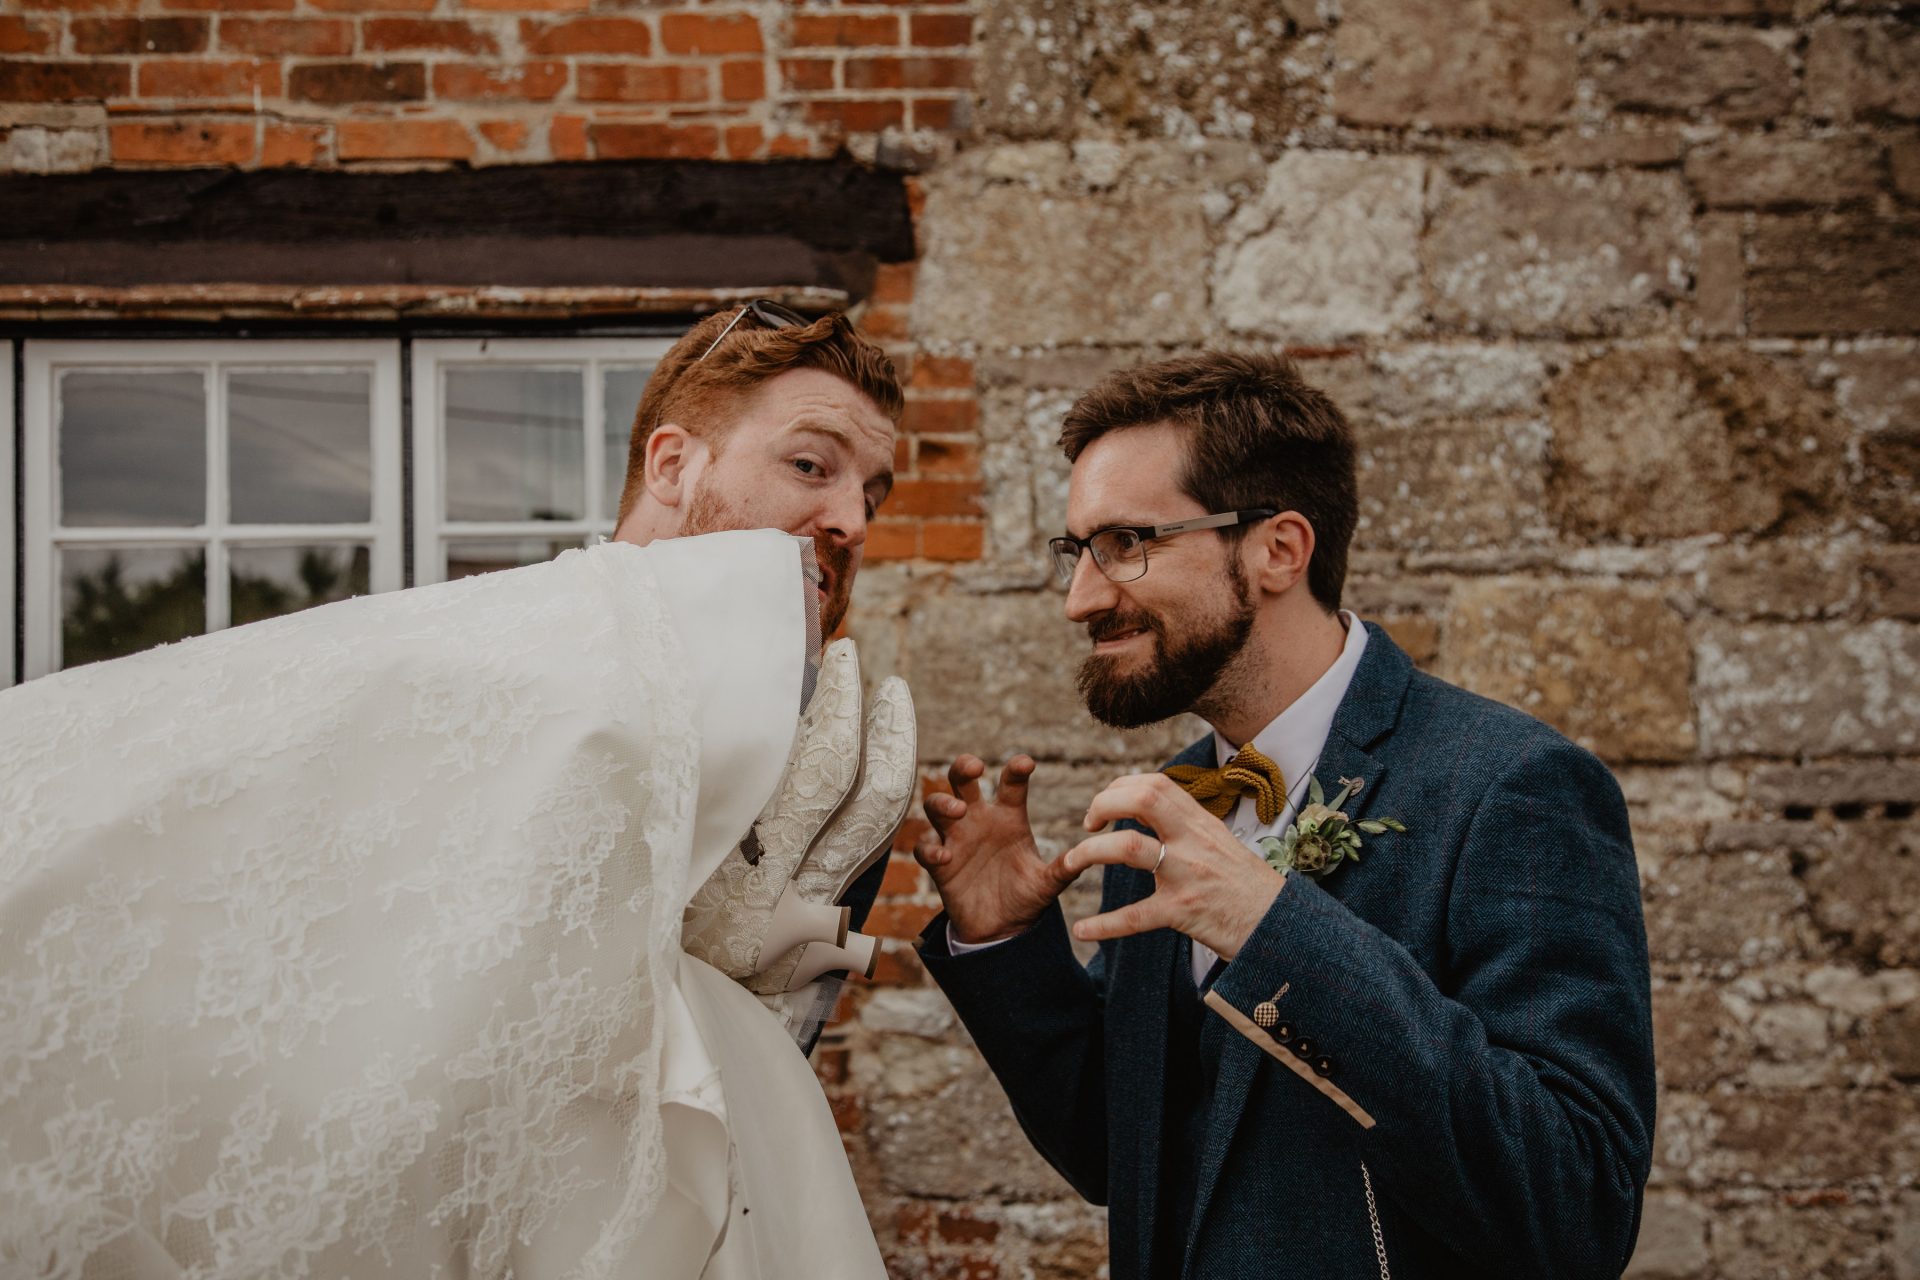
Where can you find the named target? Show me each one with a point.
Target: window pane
(300, 446)
(514, 448)
(270, 581)
(620, 397)
(120, 600)
(468, 556)
(133, 448)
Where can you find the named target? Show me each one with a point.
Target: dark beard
(708, 512)
(1179, 675)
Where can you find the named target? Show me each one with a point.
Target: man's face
(1162, 642)
(807, 453)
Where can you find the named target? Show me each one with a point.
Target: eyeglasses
(1120, 552)
(770, 314)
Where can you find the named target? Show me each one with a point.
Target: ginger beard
(1182, 670)
(708, 512)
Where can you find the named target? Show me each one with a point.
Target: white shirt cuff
(959, 948)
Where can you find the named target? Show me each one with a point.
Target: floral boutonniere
(1322, 837)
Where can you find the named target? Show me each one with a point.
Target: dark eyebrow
(1125, 522)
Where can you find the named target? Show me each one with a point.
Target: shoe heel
(858, 953)
(797, 922)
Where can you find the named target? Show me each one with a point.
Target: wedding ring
(1157, 861)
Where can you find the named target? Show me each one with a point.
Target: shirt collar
(1294, 738)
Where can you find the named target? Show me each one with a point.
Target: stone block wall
(1622, 299)
(1622, 295)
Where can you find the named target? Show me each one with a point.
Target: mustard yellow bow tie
(1218, 790)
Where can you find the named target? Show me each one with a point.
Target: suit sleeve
(1512, 1102)
(1038, 1017)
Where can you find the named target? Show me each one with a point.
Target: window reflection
(132, 448)
(120, 600)
(514, 448)
(469, 556)
(300, 446)
(269, 582)
(620, 398)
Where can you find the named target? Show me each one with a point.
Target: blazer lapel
(1367, 713)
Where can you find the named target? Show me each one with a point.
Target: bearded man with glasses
(1283, 1059)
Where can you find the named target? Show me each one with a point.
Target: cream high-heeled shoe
(853, 839)
(748, 915)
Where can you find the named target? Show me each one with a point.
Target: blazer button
(1302, 1047)
(1323, 1064)
(1281, 1031)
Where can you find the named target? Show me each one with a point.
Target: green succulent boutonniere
(1322, 837)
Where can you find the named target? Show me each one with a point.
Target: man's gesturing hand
(1209, 886)
(982, 856)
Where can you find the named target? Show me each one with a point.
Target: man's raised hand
(982, 856)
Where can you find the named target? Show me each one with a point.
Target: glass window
(174, 489)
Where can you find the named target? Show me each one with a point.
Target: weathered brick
(504, 135)
(655, 141)
(567, 138)
(312, 38)
(806, 74)
(946, 540)
(1756, 170)
(936, 113)
(1485, 62)
(907, 73)
(893, 539)
(186, 142)
(1834, 273)
(1864, 71)
(403, 140)
(138, 35)
(641, 82)
(371, 6)
(940, 30)
(1701, 8)
(64, 81)
(436, 35)
(1720, 279)
(1829, 689)
(169, 78)
(935, 498)
(1760, 913)
(857, 117)
(710, 33)
(1723, 72)
(25, 35)
(348, 83)
(1862, 885)
(222, 6)
(948, 457)
(1483, 484)
(924, 417)
(818, 29)
(294, 145)
(1813, 1137)
(525, 81)
(743, 81)
(587, 36)
(743, 141)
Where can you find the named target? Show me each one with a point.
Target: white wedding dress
(348, 944)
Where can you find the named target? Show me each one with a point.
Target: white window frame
(8, 676)
(431, 357)
(43, 364)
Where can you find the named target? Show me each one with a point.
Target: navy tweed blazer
(1475, 993)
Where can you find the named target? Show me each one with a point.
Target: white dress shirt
(1293, 740)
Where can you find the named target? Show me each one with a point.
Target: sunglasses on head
(770, 314)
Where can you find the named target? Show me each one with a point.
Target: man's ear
(1281, 548)
(674, 458)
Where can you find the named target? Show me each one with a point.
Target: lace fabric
(343, 944)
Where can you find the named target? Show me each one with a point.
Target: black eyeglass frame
(1058, 547)
(768, 312)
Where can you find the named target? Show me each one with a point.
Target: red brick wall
(326, 83)
(431, 83)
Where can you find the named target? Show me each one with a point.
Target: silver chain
(1373, 1213)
